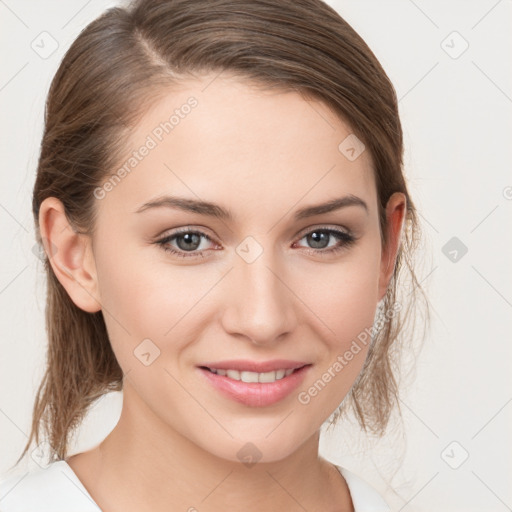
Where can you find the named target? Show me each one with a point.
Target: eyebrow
(217, 211)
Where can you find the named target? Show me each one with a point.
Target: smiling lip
(256, 394)
(256, 366)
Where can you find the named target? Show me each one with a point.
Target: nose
(260, 303)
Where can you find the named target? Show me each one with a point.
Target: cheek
(143, 300)
(344, 299)
(345, 295)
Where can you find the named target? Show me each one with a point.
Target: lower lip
(256, 394)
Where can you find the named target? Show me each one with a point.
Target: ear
(395, 214)
(70, 255)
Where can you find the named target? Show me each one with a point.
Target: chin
(250, 450)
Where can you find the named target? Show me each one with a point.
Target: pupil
(316, 238)
(190, 238)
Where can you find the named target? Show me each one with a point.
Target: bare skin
(263, 156)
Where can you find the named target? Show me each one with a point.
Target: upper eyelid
(303, 231)
(325, 227)
(300, 235)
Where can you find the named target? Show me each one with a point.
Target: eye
(319, 239)
(188, 242)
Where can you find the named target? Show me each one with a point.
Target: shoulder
(364, 497)
(54, 488)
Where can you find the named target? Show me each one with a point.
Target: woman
(221, 200)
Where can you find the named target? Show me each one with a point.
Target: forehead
(226, 140)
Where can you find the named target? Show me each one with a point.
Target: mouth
(255, 388)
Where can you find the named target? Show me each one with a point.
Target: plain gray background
(448, 62)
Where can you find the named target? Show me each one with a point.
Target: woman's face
(268, 282)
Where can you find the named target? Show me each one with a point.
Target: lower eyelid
(166, 240)
(343, 238)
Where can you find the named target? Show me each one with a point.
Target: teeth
(249, 376)
(254, 376)
(233, 374)
(267, 377)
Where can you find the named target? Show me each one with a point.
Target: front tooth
(267, 377)
(246, 376)
(249, 376)
(233, 374)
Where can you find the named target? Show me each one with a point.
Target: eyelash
(346, 240)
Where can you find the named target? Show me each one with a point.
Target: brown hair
(113, 71)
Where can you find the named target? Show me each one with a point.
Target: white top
(56, 488)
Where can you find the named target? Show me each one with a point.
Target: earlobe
(70, 255)
(395, 214)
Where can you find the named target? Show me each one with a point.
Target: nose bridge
(261, 306)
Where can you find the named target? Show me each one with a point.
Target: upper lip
(255, 366)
